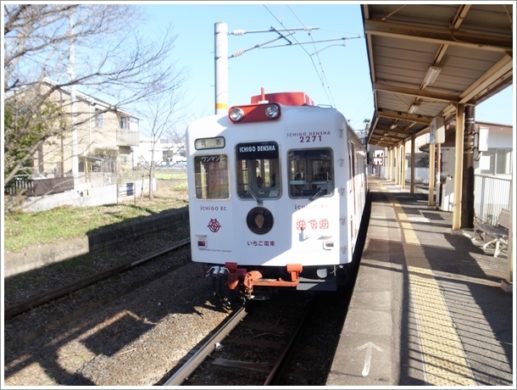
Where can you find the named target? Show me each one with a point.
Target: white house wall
(143, 152)
(499, 138)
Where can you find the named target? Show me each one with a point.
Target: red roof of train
(286, 98)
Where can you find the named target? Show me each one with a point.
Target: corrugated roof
(469, 45)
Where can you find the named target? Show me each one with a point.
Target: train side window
(211, 176)
(258, 170)
(310, 173)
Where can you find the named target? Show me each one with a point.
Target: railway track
(249, 349)
(33, 302)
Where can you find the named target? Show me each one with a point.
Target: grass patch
(22, 230)
(163, 175)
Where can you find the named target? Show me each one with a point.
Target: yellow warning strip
(221, 106)
(444, 358)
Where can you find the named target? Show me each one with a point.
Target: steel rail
(190, 366)
(31, 303)
(281, 359)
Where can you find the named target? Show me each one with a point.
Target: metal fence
(38, 187)
(491, 194)
(18, 186)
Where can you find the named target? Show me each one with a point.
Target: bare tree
(161, 114)
(109, 61)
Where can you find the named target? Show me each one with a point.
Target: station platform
(428, 307)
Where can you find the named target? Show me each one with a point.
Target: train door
(316, 220)
(209, 211)
(361, 174)
(259, 224)
(351, 175)
(258, 171)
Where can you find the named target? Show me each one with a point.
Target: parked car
(164, 164)
(180, 164)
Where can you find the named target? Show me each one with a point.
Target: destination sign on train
(209, 143)
(253, 150)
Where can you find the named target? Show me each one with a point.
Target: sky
(331, 73)
(336, 75)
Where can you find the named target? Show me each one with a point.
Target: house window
(495, 162)
(99, 118)
(133, 124)
(167, 155)
(124, 122)
(503, 161)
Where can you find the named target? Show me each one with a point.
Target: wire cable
(322, 78)
(318, 58)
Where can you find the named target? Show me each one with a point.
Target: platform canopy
(426, 59)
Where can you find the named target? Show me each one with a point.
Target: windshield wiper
(318, 193)
(255, 196)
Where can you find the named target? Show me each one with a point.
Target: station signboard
(437, 132)
(378, 157)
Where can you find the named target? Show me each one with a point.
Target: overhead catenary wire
(287, 34)
(322, 76)
(271, 29)
(290, 31)
(307, 43)
(316, 52)
(258, 46)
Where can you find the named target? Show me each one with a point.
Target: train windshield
(211, 176)
(310, 173)
(258, 170)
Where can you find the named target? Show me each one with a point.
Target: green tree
(94, 46)
(26, 130)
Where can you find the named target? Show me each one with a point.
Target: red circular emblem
(214, 225)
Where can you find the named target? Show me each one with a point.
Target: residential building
(493, 162)
(493, 171)
(493, 157)
(158, 151)
(103, 137)
(496, 149)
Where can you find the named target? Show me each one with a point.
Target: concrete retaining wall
(41, 255)
(86, 196)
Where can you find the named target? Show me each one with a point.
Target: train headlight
(236, 114)
(272, 111)
(260, 220)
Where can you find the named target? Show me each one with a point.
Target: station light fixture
(413, 108)
(431, 75)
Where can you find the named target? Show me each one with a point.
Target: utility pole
(71, 75)
(221, 55)
(458, 167)
(221, 67)
(467, 212)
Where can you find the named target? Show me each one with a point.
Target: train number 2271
(306, 139)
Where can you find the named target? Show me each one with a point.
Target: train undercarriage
(259, 283)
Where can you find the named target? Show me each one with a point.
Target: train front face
(270, 193)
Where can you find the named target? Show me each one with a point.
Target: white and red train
(277, 190)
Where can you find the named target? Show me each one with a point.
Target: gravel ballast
(129, 330)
